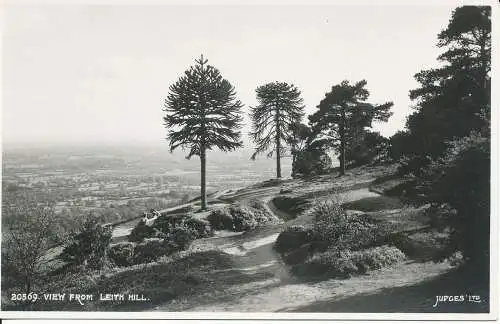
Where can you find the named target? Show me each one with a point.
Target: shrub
(88, 247)
(243, 219)
(399, 145)
(311, 162)
(240, 218)
(122, 254)
(220, 219)
(167, 223)
(344, 263)
(336, 228)
(182, 237)
(140, 232)
(197, 227)
(292, 238)
(372, 148)
(151, 250)
(460, 180)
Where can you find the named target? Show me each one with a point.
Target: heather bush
(335, 227)
(220, 219)
(88, 247)
(150, 250)
(167, 223)
(140, 232)
(122, 254)
(198, 228)
(182, 237)
(293, 237)
(343, 262)
(240, 218)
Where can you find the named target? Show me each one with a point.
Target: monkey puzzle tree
(343, 116)
(280, 107)
(202, 113)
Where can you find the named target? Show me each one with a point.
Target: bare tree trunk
(278, 146)
(203, 179)
(342, 142)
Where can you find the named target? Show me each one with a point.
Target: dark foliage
(458, 186)
(453, 100)
(198, 228)
(220, 219)
(372, 148)
(343, 115)
(152, 249)
(240, 218)
(140, 232)
(292, 238)
(449, 134)
(122, 254)
(88, 246)
(344, 263)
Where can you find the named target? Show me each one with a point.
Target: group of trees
(202, 113)
(445, 146)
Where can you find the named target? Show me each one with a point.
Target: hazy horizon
(88, 74)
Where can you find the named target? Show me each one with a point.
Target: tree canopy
(202, 113)
(280, 106)
(343, 115)
(453, 99)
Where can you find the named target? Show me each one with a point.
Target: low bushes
(165, 236)
(344, 263)
(338, 243)
(181, 237)
(198, 228)
(336, 228)
(167, 225)
(140, 232)
(151, 249)
(88, 246)
(240, 218)
(292, 238)
(220, 219)
(122, 254)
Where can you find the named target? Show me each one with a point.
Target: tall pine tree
(280, 107)
(343, 115)
(449, 135)
(202, 113)
(453, 99)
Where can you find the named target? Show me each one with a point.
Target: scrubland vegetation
(421, 196)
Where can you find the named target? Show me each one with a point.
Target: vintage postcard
(237, 160)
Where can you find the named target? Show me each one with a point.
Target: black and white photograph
(313, 160)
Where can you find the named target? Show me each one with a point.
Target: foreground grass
(158, 282)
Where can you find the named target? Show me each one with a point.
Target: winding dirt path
(275, 288)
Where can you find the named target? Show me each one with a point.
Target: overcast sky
(101, 73)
